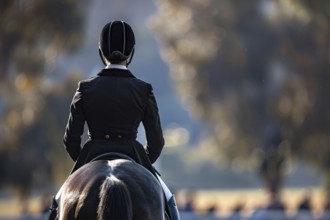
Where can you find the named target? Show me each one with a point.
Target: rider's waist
(113, 136)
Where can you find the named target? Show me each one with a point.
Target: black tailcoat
(113, 103)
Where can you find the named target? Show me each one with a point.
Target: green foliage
(31, 28)
(33, 34)
(249, 67)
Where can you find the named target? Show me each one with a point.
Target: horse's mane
(115, 200)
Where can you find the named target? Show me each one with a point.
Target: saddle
(112, 156)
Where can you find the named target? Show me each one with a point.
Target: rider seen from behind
(113, 104)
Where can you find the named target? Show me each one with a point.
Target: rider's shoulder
(86, 82)
(144, 84)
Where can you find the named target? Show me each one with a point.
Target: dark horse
(117, 189)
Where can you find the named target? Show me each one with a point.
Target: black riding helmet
(116, 42)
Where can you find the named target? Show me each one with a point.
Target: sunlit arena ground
(224, 201)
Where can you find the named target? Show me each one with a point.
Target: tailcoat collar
(112, 72)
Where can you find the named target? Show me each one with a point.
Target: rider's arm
(153, 129)
(75, 126)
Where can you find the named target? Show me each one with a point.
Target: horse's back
(85, 189)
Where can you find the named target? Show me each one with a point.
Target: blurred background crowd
(242, 89)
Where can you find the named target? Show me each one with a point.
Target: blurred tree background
(256, 73)
(33, 34)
